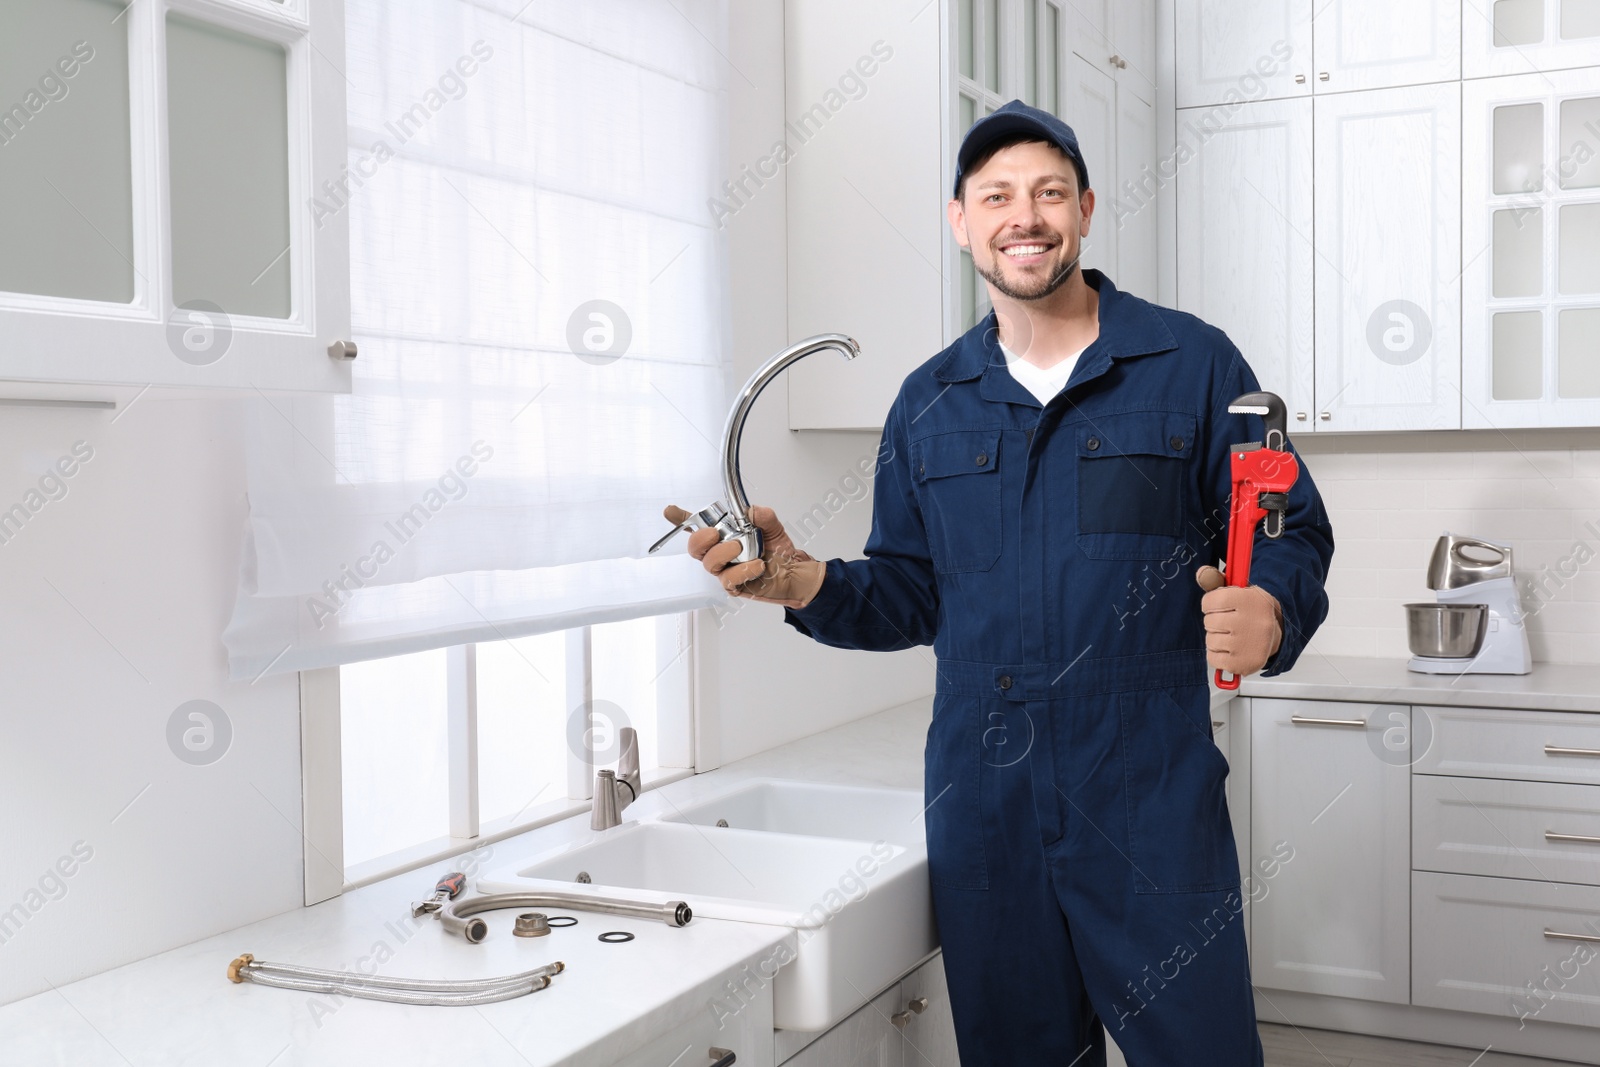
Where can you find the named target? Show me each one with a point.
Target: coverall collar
(1128, 327)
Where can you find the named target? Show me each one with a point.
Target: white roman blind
(539, 299)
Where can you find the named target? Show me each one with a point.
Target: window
(446, 749)
(1005, 49)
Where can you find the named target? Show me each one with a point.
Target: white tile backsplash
(1390, 496)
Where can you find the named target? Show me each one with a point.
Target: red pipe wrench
(1262, 476)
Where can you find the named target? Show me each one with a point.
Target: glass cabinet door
(160, 160)
(1531, 248)
(1528, 36)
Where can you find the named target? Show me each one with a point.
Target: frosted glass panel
(991, 36)
(1578, 238)
(1518, 252)
(396, 780)
(522, 725)
(1030, 51)
(1580, 162)
(228, 113)
(1049, 98)
(1518, 22)
(1518, 148)
(66, 162)
(1579, 19)
(966, 37)
(1518, 355)
(1578, 370)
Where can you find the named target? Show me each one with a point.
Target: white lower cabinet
(707, 1038)
(907, 1025)
(1446, 859)
(1516, 948)
(1330, 781)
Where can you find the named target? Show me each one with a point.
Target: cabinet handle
(1306, 720)
(1119, 62)
(1557, 935)
(901, 1019)
(1299, 79)
(1323, 76)
(1300, 415)
(1324, 415)
(1551, 835)
(721, 1057)
(1557, 750)
(342, 350)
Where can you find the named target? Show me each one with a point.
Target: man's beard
(1036, 291)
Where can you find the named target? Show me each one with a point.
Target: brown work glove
(1244, 626)
(783, 575)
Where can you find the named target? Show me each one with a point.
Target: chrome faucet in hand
(615, 790)
(731, 515)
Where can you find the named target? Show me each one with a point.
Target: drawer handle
(1303, 720)
(724, 1057)
(1551, 835)
(1558, 750)
(1557, 935)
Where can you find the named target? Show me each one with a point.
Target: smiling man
(1056, 491)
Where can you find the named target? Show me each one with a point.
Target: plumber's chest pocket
(957, 478)
(1135, 474)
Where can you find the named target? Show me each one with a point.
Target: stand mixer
(1476, 624)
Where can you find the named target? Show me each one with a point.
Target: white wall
(761, 683)
(1390, 496)
(114, 599)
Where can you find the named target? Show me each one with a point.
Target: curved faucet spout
(732, 483)
(733, 517)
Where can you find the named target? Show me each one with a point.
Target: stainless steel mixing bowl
(1446, 631)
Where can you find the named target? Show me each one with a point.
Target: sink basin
(813, 809)
(845, 867)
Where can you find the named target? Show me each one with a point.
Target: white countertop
(1548, 687)
(180, 1008)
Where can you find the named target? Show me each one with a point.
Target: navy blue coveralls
(1083, 866)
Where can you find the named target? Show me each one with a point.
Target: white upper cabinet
(161, 163)
(1388, 209)
(1118, 36)
(1374, 44)
(1244, 242)
(865, 202)
(1091, 101)
(1230, 51)
(1531, 245)
(1526, 36)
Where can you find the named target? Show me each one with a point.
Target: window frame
(322, 779)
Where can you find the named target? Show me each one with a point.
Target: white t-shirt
(1044, 384)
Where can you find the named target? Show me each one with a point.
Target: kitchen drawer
(1539, 746)
(690, 1044)
(1480, 944)
(1496, 827)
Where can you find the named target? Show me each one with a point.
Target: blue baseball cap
(1013, 118)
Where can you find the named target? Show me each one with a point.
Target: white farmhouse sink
(811, 808)
(846, 867)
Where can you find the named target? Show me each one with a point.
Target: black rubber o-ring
(616, 937)
(562, 920)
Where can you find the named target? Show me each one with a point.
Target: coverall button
(983, 457)
(1092, 443)
(1177, 444)
(1005, 681)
